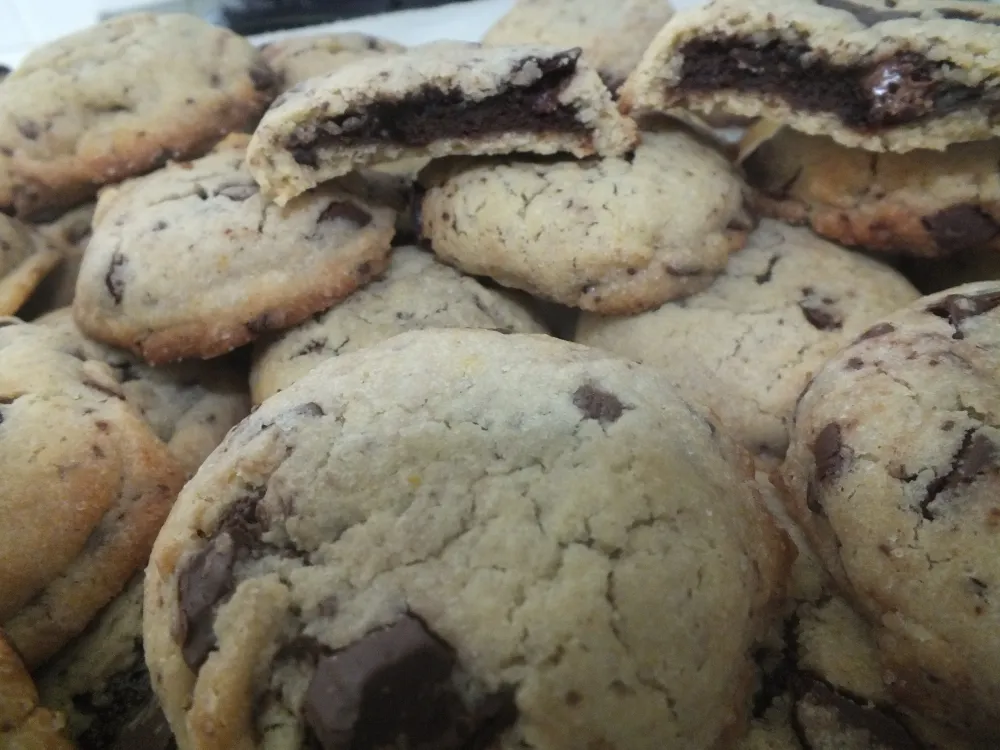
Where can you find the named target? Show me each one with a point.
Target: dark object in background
(259, 16)
(4, 72)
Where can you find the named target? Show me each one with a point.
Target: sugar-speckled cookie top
(747, 346)
(26, 256)
(884, 75)
(430, 516)
(893, 473)
(24, 725)
(416, 292)
(609, 235)
(435, 100)
(299, 58)
(118, 99)
(612, 35)
(191, 261)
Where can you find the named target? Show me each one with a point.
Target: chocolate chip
(309, 409)
(877, 330)
(865, 15)
(396, 687)
(313, 346)
(29, 129)
(262, 77)
(346, 211)
(596, 403)
(238, 191)
(961, 227)
(304, 156)
(765, 276)
(976, 455)
(821, 315)
(957, 308)
(113, 280)
(830, 453)
(855, 363)
(966, 15)
(899, 90)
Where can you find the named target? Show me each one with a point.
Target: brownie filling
(431, 114)
(897, 90)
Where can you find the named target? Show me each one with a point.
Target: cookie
(892, 472)
(416, 292)
(923, 203)
(299, 58)
(747, 346)
(189, 405)
(118, 99)
(612, 36)
(25, 258)
(86, 485)
(882, 75)
(471, 574)
(24, 725)
(435, 101)
(592, 234)
(191, 261)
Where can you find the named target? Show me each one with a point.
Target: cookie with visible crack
(24, 724)
(746, 346)
(612, 36)
(892, 471)
(119, 99)
(416, 292)
(922, 203)
(882, 75)
(86, 485)
(470, 582)
(592, 234)
(26, 257)
(298, 58)
(434, 101)
(192, 262)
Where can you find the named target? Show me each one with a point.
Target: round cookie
(71, 233)
(299, 58)
(416, 292)
(191, 261)
(923, 203)
(425, 522)
(746, 346)
(189, 405)
(86, 485)
(24, 725)
(892, 472)
(118, 99)
(25, 258)
(592, 234)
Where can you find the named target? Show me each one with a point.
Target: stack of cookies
(492, 402)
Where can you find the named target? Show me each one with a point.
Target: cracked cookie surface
(86, 485)
(24, 725)
(370, 519)
(747, 346)
(192, 262)
(26, 257)
(892, 471)
(923, 203)
(592, 234)
(416, 292)
(299, 58)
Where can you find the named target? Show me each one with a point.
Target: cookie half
(883, 75)
(299, 58)
(436, 100)
(26, 256)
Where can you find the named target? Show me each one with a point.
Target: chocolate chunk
(430, 114)
(957, 308)
(596, 403)
(304, 156)
(866, 15)
(238, 191)
(149, 730)
(961, 227)
(113, 280)
(29, 129)
(395, 688)
(821, 315)
(765, 276)
(830, 453)
(975, 456)
(876, 331)
(899, 89)
(346, 211)
(313, 346)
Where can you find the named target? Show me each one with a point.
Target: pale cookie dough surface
(746, 347)
(26, 256)
(192, 261)
(416, 292)
(299, 58)
(603, 235)
(434, 101)
(882, 75)
(922, 203)
(118, 99)
(86, 485)
(613, 35)
(471, 471)
(24, 725)
(892, 471)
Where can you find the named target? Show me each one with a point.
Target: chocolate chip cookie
(883, 75)
(611, 35)
(86, 485)
(118, 99)
(747, 346)
(925, 203)
(892, 471)
(299, 58)
(416, 292)
(189, 405)
(435, 101)
(470, 586)
(24, 725)
(592, 234)
(26, 256)
(191, 261)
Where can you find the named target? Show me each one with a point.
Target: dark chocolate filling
(431, 114)
(898, 90)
